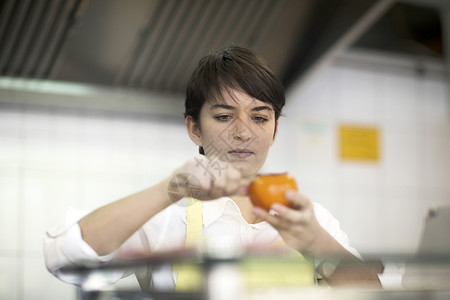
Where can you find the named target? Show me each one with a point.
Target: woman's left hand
(298, 225)
(300, 230)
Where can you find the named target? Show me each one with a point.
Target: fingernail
(290, 194)
(276, 207)
(257, 211)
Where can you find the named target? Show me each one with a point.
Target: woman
(233, 103)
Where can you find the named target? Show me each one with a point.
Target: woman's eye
(260, 119)
(223, 117)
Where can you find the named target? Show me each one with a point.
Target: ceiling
(155, 44)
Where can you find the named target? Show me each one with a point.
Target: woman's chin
(246, 170)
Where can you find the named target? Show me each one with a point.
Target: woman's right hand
(108, 227)
(205, 179)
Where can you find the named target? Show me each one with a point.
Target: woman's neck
(246, 208)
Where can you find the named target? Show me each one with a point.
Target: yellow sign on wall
(359, 143)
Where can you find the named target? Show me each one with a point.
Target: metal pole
(445, 21)
(362, 25)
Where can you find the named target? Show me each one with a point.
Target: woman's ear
(193, 130)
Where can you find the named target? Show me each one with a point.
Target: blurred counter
(404, 277)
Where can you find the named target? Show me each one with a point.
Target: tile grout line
(21, 212)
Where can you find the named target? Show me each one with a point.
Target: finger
(236, 188)
(274, 220)
(227, 180)
(295, 217)
(297, 199)
(241, 184)
(198, 166)
(258, 211)
(218, 168)
(218, 188)
(286, 214)
(233, 181)
(242, 190)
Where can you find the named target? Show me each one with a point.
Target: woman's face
(238, 129)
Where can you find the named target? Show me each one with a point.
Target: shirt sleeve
(166, 230)
(65, 247)
(389, 278)
(332, 226)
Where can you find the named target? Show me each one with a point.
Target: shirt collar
(214, 209)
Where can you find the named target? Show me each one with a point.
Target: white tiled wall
(52, 158)
(9, 277)
(381, 205)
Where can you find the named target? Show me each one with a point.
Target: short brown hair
(235, 68)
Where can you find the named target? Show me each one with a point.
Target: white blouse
(166, 231)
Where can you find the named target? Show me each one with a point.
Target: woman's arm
(350, 271)
(108, 227)
(300, 229)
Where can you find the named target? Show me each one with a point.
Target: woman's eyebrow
(259, 108)
(224, 106)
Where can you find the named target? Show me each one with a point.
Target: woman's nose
(241, 131)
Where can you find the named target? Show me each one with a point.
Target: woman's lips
(240, 153)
